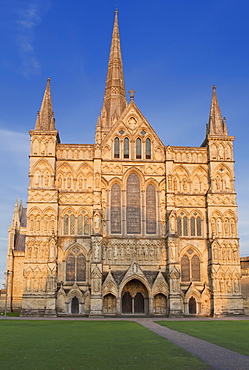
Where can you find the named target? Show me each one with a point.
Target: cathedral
(127, 225)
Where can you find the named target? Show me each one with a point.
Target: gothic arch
(134, 276)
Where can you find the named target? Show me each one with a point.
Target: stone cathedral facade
(126, 225)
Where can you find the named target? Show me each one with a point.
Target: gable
(130, 127)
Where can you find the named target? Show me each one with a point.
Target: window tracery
(73, 225)
(189, 226)
(76, 266)
(190, 266)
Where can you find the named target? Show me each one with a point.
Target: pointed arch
(133, 204)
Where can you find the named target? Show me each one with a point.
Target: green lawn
(233, 335)
(88, 345)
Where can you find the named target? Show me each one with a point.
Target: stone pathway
(215, 356)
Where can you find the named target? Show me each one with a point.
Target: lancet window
(133, 209)
(75, 266)
(116, 148)
(150, 209)
(190, 266)
(138, 148)
(189, 226)
(126, 147)
(148, 148)
(115, 209)
(73, 225)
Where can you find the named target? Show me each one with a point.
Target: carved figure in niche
(170, 182)
(221, 151)
(229, 287)
(35, 252)
(97, 252)
(140, 254)
(235, 253)
(80, 182)
(227, 183)
(185, 187)
(59, 182)
(97, 222)
(46, 251)
(172, 251)
(221, 286)
(219, 226)
(232, 224)
(175, 184)
(172, 223)
(218, 182)
(152, 255)
(96, 284)
(115, 253)
(226, 226)
(135, 268)
(174, 282)
(122, 252)
(29, 252)
(31, 225)
(109, 254)
(236, 286)
(69, 182)
(46, 179)
(38, 224)
(224, 254)
(52, 249)
(52, 225)
(146, 255)
(28, 284)
(213, 228)
(128, 254)
(97, 180)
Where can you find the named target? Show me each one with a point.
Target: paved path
(215, 356)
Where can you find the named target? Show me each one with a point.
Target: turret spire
(45, 117)
(216, 125)
(114, 98)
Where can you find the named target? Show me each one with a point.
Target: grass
(10, 314)
(101, 345)
(233, 335)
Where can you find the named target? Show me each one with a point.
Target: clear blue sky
(173, 52)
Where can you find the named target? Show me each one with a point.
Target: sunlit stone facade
(126, 225)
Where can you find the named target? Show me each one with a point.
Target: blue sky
(173, 52)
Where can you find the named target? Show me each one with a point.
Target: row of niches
(39, 221)
(75, 153)
(223, 225)
(43, 145)
(226, 253)
(221, 151)
(186, 156)
(39, 280)
(226, 281)
(197, 181)
(40, 250)
(145, 253)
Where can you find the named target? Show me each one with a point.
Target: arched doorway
(109, 303)
(192, 306)
(134, 298)
(75, 306)
(160, 304)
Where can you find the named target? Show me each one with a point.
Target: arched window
(195, 268)
(116, 147)
(195, 225)
(138, 148)
(115, 209)
(66, 224)
(126, 147)
(86, 225)
(80, 225)
(148, 148)
(179, 226)
(72, 225)
(190, 267)
(150, 210)
(185, 268)
(133, 211)
(185, 226)
(76, 267)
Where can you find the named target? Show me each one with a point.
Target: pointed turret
(114, 98)
(16, 216)
(45, 117)
(216, 125)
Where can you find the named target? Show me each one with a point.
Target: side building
(126, 225)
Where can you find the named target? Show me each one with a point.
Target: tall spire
(45, 117)
(216, 125)
(114, 98)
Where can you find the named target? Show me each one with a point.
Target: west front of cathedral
(126, 226)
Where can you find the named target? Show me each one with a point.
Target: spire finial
(216, 125)
(132, 93)
(45, 117)
(115, 97)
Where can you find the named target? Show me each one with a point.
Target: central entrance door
(192, 306)
(134, 298)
